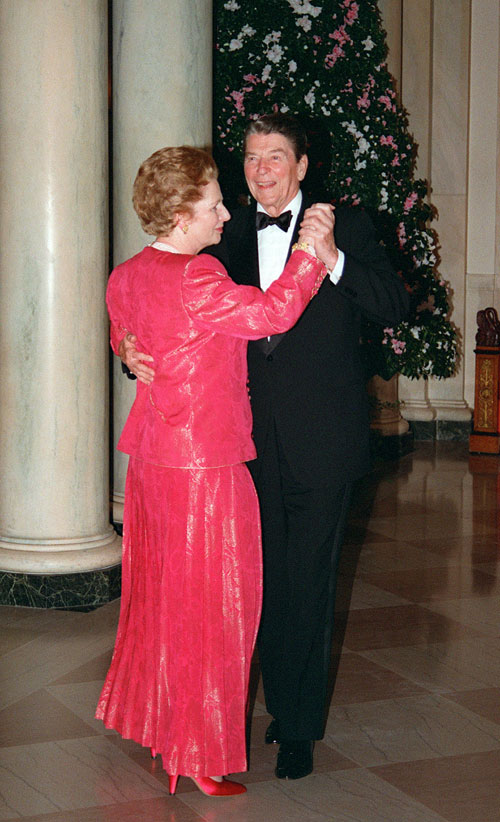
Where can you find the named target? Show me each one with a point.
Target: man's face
(272, 172)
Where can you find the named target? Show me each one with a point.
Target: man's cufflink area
(128, 372)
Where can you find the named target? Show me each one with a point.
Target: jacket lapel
(248, 252)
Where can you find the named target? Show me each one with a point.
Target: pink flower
(388, 141)
(332, 58)
(238, 98)
(386, 102)
(363, 102)
(401, 232)
(352, 14)
(317, 39)
(250, 78)
(395, 161)
(341, 36)
(410, 202)
(398, 346)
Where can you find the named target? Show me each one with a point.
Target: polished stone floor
(413, 733)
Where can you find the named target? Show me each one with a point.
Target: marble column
(162, 95)
(435, 91)
(54, 487)
(483, 189)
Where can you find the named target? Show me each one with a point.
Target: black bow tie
(262, 220)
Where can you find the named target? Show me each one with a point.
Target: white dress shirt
(273, 244)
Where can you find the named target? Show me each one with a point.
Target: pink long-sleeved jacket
(194, 321)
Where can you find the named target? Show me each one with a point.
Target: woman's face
(207, 221)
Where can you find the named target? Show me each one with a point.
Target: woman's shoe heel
(172, 783)
(154, 753)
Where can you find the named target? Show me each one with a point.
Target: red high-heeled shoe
(210, 787)
(154, 753)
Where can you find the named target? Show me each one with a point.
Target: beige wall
(445, 57)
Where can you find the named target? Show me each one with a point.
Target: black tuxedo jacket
(309, 382)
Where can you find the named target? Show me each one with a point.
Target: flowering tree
(326, 64)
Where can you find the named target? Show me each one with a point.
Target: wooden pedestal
(485, 437)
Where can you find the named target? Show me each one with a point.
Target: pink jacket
(194, 321)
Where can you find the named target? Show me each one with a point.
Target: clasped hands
(316, 229)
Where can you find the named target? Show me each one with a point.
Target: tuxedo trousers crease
(302, 530)
(190, 609)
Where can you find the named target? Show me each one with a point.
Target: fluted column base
(71, 574)
(60, 556)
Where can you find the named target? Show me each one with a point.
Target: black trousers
(302, 531)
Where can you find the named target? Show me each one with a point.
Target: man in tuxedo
(311, 426)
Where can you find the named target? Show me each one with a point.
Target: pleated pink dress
(192, 570)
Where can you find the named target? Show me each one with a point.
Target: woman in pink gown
(192, 577)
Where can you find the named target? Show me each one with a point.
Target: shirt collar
(293, 206)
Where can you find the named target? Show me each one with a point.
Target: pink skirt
(190, 609)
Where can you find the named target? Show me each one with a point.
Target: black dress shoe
(295, 759)
(273, 735)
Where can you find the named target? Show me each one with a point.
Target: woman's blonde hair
(169, 183)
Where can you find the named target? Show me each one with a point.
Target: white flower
(304, 7)
(235, 44)
(231, 5)
(272, 38)
(248, 30)
(275, 54)
(284, 109)
(351, 128)
(266, 73)
(292, 66)
(310, 98)
(415, 332)
(360, 164)
(304, 23)
(325, 111)
(363, 145)
(368, 44)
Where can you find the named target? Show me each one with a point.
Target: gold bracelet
(303, 246)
